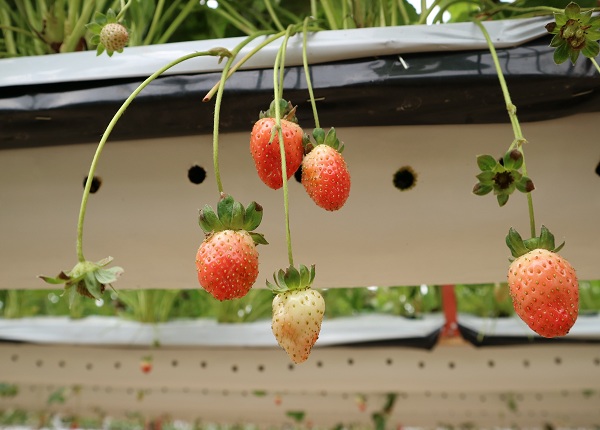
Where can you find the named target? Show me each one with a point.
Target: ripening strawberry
(267, 153)
(146, 365)
(227, 264)
(227, 259)
(544, 289)
(325, 177)
(114, 37)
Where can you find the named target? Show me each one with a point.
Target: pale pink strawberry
(114, 37)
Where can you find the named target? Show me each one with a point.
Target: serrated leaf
(95, 39)
(237, 216)
(100, 18)
(319, 135)
(515, 243)
(258, 238)
(100, 49)
(486, 162)
(532, 243)
(253, 216)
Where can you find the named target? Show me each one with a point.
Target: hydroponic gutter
(324, 46)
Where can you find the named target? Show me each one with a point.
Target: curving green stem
(277, 91)
(595, 63)
(216, 118)
(512, 113)
(307, 72)
(88, 184)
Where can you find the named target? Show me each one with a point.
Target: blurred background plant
(38, 27)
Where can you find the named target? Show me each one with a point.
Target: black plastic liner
(476, 339)
(436, 88)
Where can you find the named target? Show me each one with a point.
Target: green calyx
(519, 247)
(328, 138)
(502, 177)
(231, 215)
(86, 278)
(292, 279)
(286, 111)
(574, 32)
(95, 27)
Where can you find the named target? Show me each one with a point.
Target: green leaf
(209, 221)
(253, 216)
(486, 177)
(546, 239)
(515, 243)
(561, 54)
(502, 199)
(331, 138)
(591, 49)
(312, 273)
(225, 210)
(100, 18)
(292, 277)
(73, 296)
(60, 279)
(525, 185)
(237, 216)
(258, 238)
(513, 160)
(486, 162)
(100, 49)
(304, 276)
(297, 416)
(532, 243)
(561, 19)
(108, 276)
(572, 10)
(557, 41)
(281, 278)
(95, 39)
(94, 27)
(111, 16)
(319, 135)
(573, 55)
(94, 288)
(481, 189)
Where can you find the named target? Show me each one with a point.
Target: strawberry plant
(543, 286)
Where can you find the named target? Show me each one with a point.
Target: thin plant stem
(289, 32)
(277, 91)
(403, 12)
(79, 30)
(109, 128)
(274, 16)
(595, 63)
(329, 14)
(218, 101)
(124, 8)
(307, 73)
(512, 113)
(154, 24)
(177, 22)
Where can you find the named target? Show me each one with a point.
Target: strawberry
(265, 150)
(114, 36)
(146, 364)
(543, 285)
(325, 175)
(297, 312)
(227, 259)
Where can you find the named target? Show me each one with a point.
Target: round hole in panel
(203, 364)
(117, 364)
(421, 364)
(261, 368)
(427, 393)
(451, 364)
(14, 357)
(174, 363)
(491, 363)
(405, 178)
(89, 366)
(525, 363)
(350, 362)
(196, 174)
(96, 183)
(597, 361)
(291, 366)
(389, 361)
(298, 174)
(557, 360)
(39, 363)
(61, 363)
(462, 396)
(234, 368)
(597, 170)
(164, 390)
(319, 364)
(539, 397)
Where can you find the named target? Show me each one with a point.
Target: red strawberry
(114, 37)
(227, 264)
(325, 175)
(264, 147)
(543, 286)
(227, 259)
(298, 311)
(146, 365)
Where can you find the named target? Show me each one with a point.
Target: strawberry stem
(307, 72)
(88, 184)
(512, 113)
(595, 63)
(280, 65)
